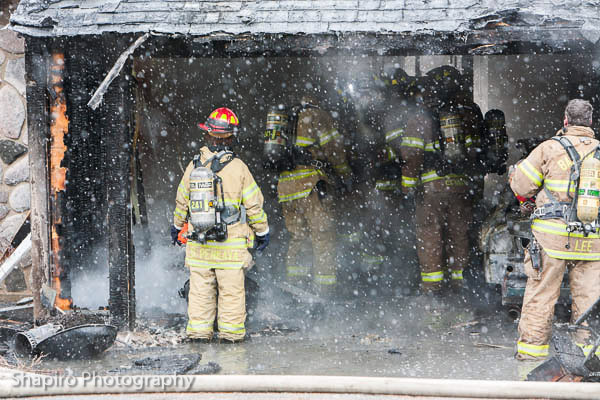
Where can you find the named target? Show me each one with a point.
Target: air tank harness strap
(574, 156)
(556, 209)
(231, 218)
(552, 210)
(216, 164)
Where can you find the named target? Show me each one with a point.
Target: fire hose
(320, 384)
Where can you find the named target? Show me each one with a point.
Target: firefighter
(562, 173)
(218, 266)
(396, 216)
(475, 130)
(366, 97)
(437, 152)
(306, 195)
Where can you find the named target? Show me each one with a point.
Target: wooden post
(121, 256)
(36, 70)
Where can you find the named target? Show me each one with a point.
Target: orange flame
(63, 304)
(59, 127)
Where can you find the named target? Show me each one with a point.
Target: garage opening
(172, 95)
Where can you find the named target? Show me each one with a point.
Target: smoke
(160, 273)
(89, 281)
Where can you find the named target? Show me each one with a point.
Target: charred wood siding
(95, 206)
(85, 223)
(118, 133)
(36, 59)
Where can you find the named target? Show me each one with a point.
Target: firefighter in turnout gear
(306, 196)
(377, 173)
(564, 176)
(396, 216)
(218, 257)
(438, 154)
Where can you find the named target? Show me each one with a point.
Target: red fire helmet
(221, 123)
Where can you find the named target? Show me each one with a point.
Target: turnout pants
(542, 292)
(203, 306)
(443, 221)
(310, 218)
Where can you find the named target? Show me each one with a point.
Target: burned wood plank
(114, 72)
(36, 61)
(118, 133)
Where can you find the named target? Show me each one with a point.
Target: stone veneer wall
(14, 158)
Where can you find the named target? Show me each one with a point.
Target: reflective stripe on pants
(532, 349)
(199, 327)
(297, 270)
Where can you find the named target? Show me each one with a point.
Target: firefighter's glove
(174, 235)
(262, 242)
(347, 184)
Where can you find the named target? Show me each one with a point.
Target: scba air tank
(203, 200)
(276, 140)
(588, 199)
(452, 137)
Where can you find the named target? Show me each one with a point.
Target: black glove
(174, 235)
(262, 242)
(346, 185)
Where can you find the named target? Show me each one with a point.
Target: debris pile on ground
(149, 338)
(275, 330)
(34, 364)
(78, 317)
(163, 364)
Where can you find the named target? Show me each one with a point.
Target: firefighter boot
(432, 301)
(458, 291)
